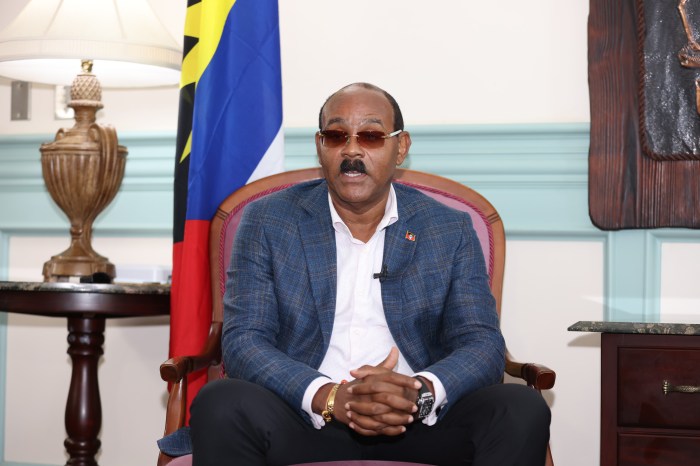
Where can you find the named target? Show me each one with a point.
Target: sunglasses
(332, 138)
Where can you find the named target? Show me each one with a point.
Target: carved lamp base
(62, 267)
(83, 170)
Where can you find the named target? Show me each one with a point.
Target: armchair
(486, 221)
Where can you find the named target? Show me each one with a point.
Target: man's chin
(357, 195)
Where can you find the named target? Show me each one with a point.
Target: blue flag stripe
(238, 108)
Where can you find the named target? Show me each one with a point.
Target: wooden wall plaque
(644, 159)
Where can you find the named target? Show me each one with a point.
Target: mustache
(354, 165)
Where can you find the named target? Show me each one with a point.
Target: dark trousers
(239, 423)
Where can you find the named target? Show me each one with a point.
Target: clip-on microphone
(383, 275)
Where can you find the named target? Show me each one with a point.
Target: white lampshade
(127, 43)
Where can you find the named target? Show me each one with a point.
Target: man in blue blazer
(358, 320)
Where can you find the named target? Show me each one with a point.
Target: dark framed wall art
(644, 82)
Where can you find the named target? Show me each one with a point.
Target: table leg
(83, 409)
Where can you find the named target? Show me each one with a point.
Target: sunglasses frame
(359, 138)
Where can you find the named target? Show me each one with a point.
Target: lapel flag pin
(410, 236)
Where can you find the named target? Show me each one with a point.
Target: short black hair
(398, 117)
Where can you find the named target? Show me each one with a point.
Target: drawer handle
(679, 388)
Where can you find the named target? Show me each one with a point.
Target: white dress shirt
(360, 334)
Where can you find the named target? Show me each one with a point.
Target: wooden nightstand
(641, 423)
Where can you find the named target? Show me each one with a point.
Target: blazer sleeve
(255, 340)
(452, 311)
(471, 330)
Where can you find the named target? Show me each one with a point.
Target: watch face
(425, 405)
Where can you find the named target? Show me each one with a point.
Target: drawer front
(647, 450)
(641, 400)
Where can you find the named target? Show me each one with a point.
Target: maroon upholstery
(181, 461)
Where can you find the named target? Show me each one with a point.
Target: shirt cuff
(440, 396)
(314, 386)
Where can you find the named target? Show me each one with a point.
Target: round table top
(64, 299)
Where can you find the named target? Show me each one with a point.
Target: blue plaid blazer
(281, 291)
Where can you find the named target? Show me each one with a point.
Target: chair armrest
(176, 369)
(175, 372)
(535, 375)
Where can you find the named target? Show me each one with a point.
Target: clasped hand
(379, 401)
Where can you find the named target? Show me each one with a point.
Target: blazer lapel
(318, 240)
(399, 247)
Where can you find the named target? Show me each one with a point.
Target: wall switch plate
(19, 102)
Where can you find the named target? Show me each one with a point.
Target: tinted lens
(371, 139)
(333, 138)
(367, 139)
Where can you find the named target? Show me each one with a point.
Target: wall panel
(680, 268)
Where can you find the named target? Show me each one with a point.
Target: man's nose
(352, 146)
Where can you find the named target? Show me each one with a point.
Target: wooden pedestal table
(86, 306)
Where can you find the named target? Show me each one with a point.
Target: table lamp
(51, 41)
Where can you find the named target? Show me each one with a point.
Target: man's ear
(404, 146)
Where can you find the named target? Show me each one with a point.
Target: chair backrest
(487, 223)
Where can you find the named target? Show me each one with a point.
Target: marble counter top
(650, 328)
(116, 288)
(85, 300)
